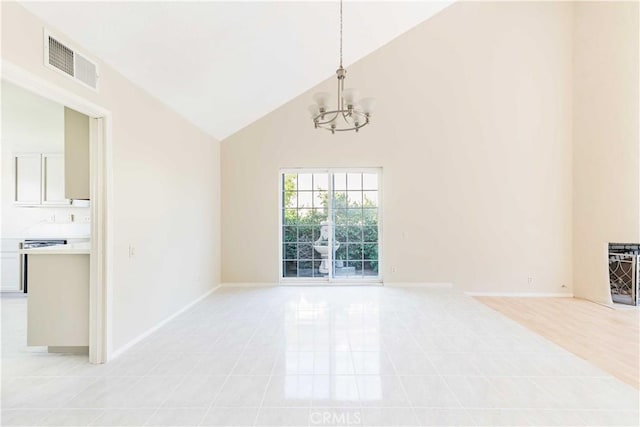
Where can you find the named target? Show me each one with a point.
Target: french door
(330, 225)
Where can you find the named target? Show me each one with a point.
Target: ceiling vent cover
(66, 60)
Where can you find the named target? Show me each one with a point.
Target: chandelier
(350, 113)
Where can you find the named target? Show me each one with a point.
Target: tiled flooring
(319, 356)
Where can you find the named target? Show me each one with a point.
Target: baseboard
(248, 284)
(116, 353)
(522, 294)
(438, 285)
(617, 306)
(293, 283)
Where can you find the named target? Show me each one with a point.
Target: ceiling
(223, 65)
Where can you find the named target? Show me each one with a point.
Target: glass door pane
(355, 215)
(304, 211)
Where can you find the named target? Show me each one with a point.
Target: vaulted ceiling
(223, 65)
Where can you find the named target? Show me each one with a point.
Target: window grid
(305, 197)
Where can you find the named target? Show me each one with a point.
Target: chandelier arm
(344, 129)
(335, 115)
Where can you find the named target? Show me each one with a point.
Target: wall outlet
(63, 218)
(530, 280)
(132, 251)
(393, 269)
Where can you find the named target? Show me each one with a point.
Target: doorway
(100, 159)
(330, 226)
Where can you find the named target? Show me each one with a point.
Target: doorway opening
(101, 241)
(330, 226)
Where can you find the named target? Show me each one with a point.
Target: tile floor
(317, 356)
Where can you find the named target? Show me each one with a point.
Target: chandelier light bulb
(314, 110)
(350, 96)
(322, 99)
(368, 105)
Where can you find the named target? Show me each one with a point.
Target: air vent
(60, 56)
(63, 58)
(86, 71)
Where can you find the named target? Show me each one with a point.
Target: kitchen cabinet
(53, 180)
(27, 179)
(10, 267)
(39, 179)
(58, 297)
(76, 155)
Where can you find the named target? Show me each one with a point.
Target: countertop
(82, 248)
(51, 231)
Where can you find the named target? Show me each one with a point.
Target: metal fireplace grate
(624, 273)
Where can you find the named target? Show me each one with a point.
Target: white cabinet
(39, 179)
(10, 271)
(28, 179)
(76, 151)
(53, 179)
(10, 265)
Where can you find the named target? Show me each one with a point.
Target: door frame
(101, 196)
(322, 281)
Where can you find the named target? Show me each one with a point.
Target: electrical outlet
(132, 251)
(393, 269)
(62, 218)
(530, 280)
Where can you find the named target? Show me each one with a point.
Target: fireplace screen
(624, 269)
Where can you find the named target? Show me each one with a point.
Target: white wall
(473, 132)
(606, 167)
(166, 189)
(31, 124)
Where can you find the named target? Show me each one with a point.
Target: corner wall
(606, 166)
(166, 189)
(473, 133)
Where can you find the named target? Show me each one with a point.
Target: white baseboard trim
(116, 353)
(248, 284)
(337, 284)
(522, 294)
(438, 285)
(617, 306)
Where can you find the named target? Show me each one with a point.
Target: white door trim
(101, 194)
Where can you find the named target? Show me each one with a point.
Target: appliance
(351, 113)
(31, 244)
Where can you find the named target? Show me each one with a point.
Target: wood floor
(606, 337)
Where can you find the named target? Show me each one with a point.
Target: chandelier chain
(340, 33)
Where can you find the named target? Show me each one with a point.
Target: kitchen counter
(81, 248)
(53, 231)
(58, 296)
